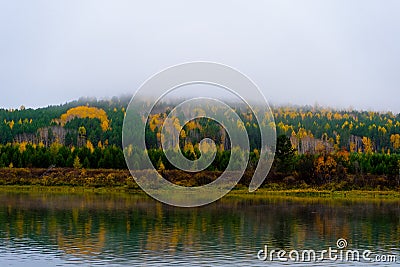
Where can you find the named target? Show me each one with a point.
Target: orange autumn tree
(325, 167)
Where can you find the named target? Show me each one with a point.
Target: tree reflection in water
(128, 228)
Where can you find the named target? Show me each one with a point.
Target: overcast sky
(338, 53)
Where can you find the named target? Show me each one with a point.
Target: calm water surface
(54, 229)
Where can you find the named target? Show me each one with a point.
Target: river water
(56, 229)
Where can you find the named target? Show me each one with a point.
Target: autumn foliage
(319, 145)
(86, 112)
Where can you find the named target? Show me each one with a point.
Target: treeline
(27, 155)
(342, 169)
(311, 129)
(336, 170)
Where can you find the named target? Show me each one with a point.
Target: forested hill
(99, 123)
(61, 123)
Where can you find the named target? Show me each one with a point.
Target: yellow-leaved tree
(395, 140)
(367, 145)
(86, 112)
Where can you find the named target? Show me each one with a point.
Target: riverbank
(69, 180)
(303, 194)
(238, 194)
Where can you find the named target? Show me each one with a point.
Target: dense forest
(315, 145)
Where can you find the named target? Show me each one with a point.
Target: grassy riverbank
(64, 180)
(239, 193)
(316, 193)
